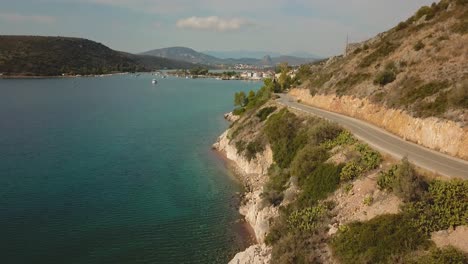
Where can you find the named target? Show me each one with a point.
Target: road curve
(388, 143)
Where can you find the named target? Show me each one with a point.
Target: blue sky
(314, 26)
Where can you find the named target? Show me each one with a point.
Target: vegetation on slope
(303, 150)
(52, 56)
(417, 66)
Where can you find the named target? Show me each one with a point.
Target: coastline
(257, 213)
(6, 77)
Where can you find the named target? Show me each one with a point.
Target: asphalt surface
(388, 143)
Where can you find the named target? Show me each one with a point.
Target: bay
(116, 170)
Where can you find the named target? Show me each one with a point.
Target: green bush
(385, 77)
(253, 148)
(447, 255)
(265, 112)
(277, 180)
(282, 130)
(320, 131)
(238, 111)
(240, 146)
(351, 171)
(386, 179)
(307, 159)
(407, 184)
(419, 46)
(384, 49)
(319, 184)
(305, 220)
(344, 138)
(377, 240)
(445, 205)
(369, 158)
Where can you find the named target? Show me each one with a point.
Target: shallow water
(116, 170)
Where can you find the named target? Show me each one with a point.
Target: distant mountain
(238, 54)
(192, 56)
(48, 56)
(184, 54)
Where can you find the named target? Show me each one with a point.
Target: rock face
(456, 238)
(258, 214)
(231, 117)
(434, 133)
(256, 254)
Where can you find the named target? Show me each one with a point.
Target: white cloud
(212, 23)
(19, 18)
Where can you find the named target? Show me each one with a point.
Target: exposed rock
(452, 237)
(231, 117)
(434, 133)
(257, 213)
(256, 254)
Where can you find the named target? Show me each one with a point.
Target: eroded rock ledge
(434, 133)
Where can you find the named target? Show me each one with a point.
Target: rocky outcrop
(257, 213)
(231, 117)
(452, 237)
(441, 135)
(256, 254)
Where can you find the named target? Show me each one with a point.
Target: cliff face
(257, 213)
(438, 134)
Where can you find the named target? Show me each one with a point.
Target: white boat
(154, 81)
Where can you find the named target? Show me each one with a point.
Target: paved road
(389, 143)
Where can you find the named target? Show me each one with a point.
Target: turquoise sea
(116, 170)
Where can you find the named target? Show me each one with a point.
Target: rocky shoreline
(257, 213)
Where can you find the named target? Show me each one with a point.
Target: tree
(240, 99)
(284, 80)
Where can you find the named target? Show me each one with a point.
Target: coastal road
(388, 143)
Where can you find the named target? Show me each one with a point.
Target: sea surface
(116, 170)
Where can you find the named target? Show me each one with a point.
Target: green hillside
(50, 56)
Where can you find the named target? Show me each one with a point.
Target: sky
(315, 26)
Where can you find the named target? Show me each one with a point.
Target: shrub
(377, 240)
(307, 159)
(265, 112)
(407, 184)
(385, 77)
(305, 220)
(445, 205)
(344, 138)
(402, 25)
(368, 200)
(458, 97)
(282, 130)
(351, 171)
(384, 49)
(386, 179)
(240, 146)
(350, 81)
(419, 46)
(238, 111)
(322, 131)
(324, 180)
(253, 148)
(447, 255)
(273, 191)
(369, 158)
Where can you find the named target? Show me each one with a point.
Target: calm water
(114, 170)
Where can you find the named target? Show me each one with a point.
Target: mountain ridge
(53, 56)
(193, 56)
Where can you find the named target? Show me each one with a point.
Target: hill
(192, 56)
(49, 56)
(419, 66)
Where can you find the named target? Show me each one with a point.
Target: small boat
(154, 81)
